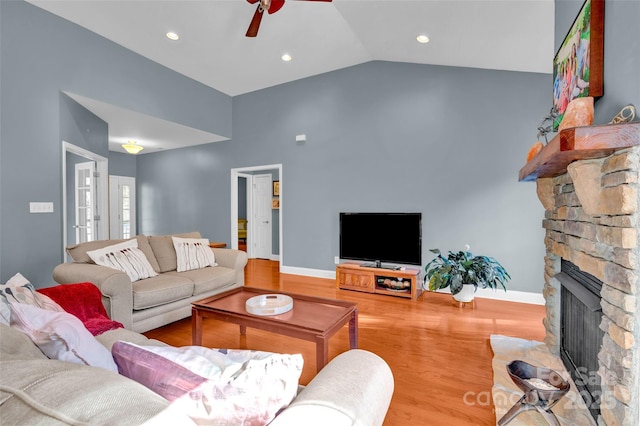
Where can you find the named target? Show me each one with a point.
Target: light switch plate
(40, 207)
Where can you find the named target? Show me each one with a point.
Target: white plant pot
(466, 294)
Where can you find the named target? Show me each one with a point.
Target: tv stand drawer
(355, 280)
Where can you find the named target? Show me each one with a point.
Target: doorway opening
(245, 187)
(90, 195)
(122, 207)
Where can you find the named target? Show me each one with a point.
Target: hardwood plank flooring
(439, 353)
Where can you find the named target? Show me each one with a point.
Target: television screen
(381, 237)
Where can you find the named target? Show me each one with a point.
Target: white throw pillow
(193, 253)
(19, 290)
(61, 336)
(125, 257)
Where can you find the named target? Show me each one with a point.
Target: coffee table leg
(322, 353)
(353, 330)
(196, 328)
(243, 330)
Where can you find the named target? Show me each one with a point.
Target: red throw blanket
(83, 300)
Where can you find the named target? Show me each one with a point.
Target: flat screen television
(381, 237)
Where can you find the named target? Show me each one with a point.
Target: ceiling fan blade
(254, 26)
(253, 1)
(275, 6)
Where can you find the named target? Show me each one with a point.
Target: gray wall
(41, 56)
(121, 164)
(447, 142)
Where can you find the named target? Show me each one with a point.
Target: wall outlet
(40, 207)
(336, 260)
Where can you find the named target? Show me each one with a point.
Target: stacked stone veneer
(592, 219)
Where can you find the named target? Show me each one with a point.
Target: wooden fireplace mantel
(579, 143)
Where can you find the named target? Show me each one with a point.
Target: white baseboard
(484, 293)
(316, 273)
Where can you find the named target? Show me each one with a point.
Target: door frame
(102, 209)
(247, 172)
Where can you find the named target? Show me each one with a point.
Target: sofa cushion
(193, 253)
(61, 336)
(15, 345)
(215, 386)
(125, 257)
(53, 392)
(164, 251)
(79, 254)
(160, 290)
(207, 279)
(112, 336)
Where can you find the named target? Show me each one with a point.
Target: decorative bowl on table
(269, 304)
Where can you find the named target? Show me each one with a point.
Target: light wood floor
(439, 353)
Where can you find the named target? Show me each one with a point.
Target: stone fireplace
(592, 220)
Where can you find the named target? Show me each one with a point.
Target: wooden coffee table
(312, 318)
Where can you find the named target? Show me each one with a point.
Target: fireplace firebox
(581, 336)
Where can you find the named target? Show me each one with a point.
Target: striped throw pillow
(125, 257)
(193, 253)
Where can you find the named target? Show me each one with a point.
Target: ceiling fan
(271, 6)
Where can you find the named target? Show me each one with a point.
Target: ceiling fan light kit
(271, 6)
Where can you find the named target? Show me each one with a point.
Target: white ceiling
(514, 35)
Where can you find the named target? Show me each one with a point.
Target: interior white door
(122, 207)
(261, 223)
(85, 201)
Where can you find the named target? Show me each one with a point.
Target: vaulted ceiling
(514, 35)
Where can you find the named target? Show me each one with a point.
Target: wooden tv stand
(351, 276)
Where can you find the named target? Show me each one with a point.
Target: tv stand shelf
(399, 283)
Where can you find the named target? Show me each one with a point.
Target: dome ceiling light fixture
(132, 147)
(422, 38)
(172, 36)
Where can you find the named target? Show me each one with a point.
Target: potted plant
(463, 272)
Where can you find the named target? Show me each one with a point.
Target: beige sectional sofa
(152, 302)
(354, 389)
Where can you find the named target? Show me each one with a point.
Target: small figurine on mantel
(542, 131)
(551, 117)
(626, 115)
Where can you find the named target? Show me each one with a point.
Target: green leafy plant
(463, 267)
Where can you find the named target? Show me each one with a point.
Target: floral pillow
(214, 386)
(19, 290)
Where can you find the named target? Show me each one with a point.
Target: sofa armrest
(354, 389)
(115, 286)
(234, 259)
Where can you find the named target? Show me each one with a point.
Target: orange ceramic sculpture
(534, 150)
(579, 112)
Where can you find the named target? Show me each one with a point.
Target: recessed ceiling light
(422, 38)
(286, 57)
(172, 36)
